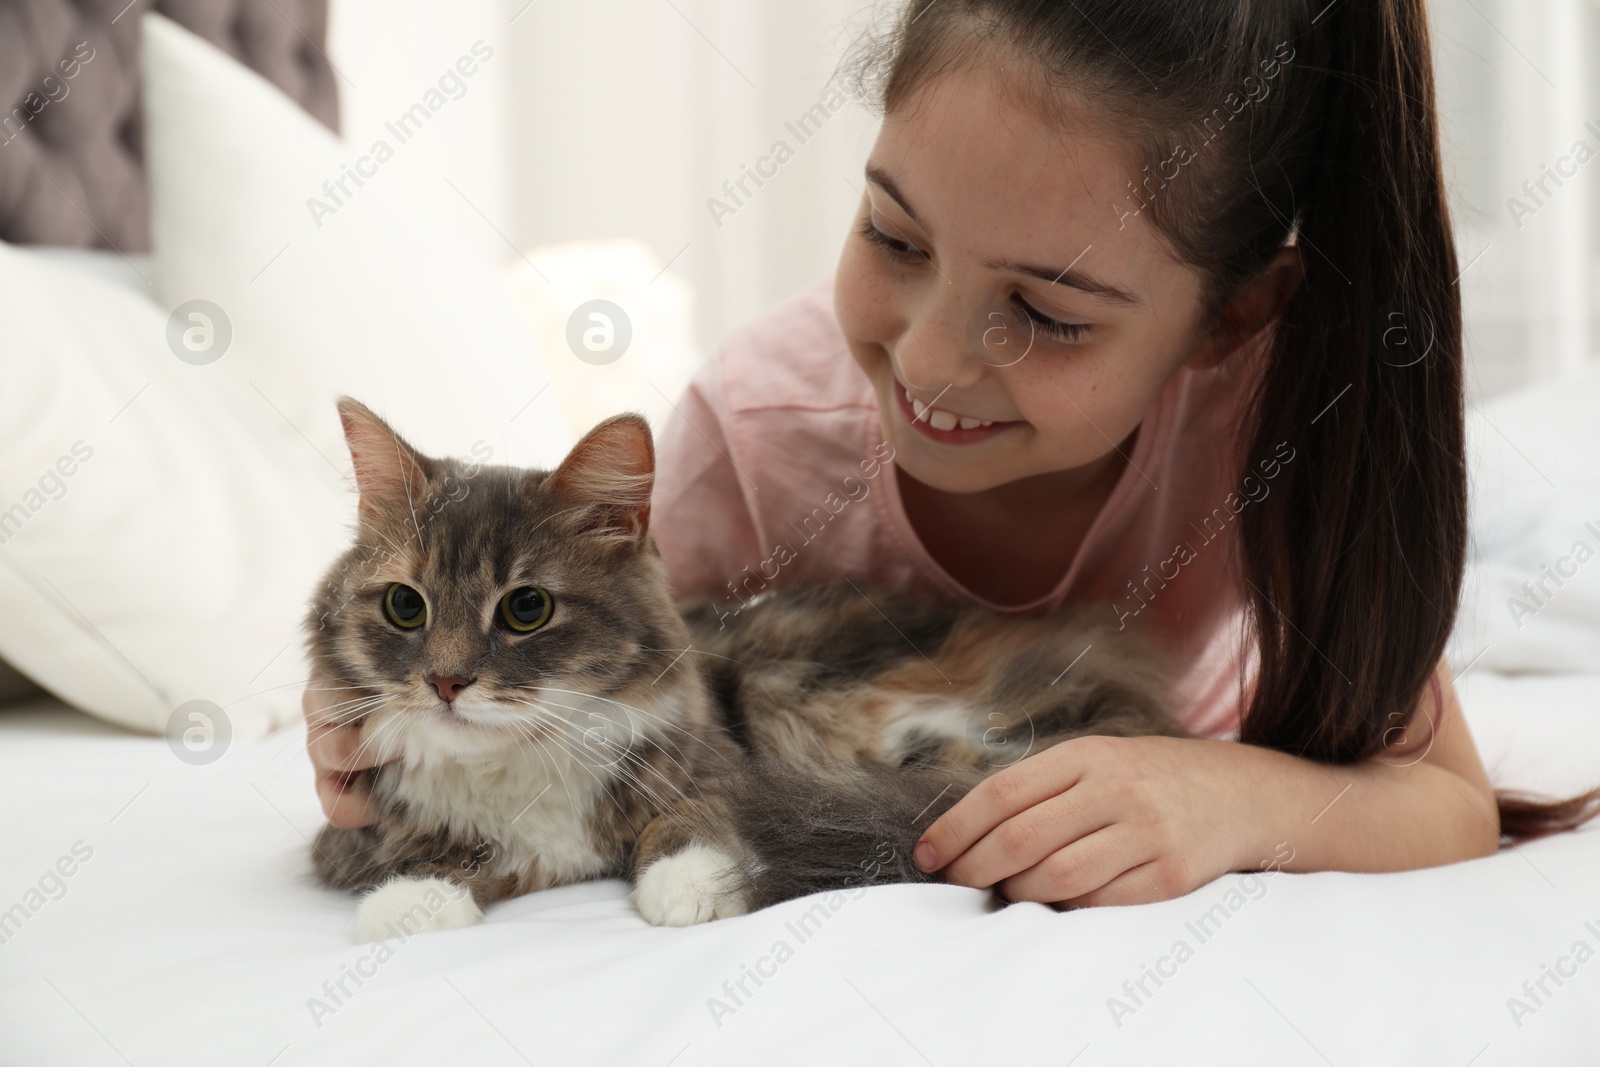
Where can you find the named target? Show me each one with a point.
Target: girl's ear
(1256, 306)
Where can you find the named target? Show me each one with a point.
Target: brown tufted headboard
(70, 169)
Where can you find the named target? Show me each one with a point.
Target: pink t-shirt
(776, 470)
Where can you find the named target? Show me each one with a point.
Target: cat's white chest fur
(528, 806)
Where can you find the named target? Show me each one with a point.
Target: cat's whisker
(370, 741)
(573, 747)
(351, 717)
(585, 731)
(568, 723)
(632, 781)
(535, 743)
(556, 765)
(577, 756)
(347, 712)
(551, 717)
(627, 751)
(533, 730)
(692, 735)
(635, 759)
(301, 683)
(525, 740)
(284, 741)
(631, 776)
(366, 695)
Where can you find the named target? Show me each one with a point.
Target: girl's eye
(905, 251)
(897, 249)
(1052, 328)
(405, 607)
(525, 609)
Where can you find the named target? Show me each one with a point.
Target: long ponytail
(1354, 566)
(1354, 592)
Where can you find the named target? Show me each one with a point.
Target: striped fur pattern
(868, 713)
(719, 768)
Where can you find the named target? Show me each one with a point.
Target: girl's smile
(946, 426)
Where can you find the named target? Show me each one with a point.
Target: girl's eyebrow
(1068, 276)
(880, 177)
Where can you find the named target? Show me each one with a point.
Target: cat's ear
(391, 475)
(610, 474)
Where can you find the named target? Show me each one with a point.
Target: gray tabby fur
(804, 747)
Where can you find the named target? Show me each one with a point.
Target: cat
(510, 634)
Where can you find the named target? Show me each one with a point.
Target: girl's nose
(935, 352)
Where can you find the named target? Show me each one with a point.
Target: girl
(1151, 305)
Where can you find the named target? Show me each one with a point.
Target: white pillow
(1535, 457)
(373, 291)
(160, 527)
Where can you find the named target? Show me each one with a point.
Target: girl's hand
(336, 755)
(1103, 820)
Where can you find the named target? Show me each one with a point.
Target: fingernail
(923, 856)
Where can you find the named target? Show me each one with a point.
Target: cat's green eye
(405, 607)
(526, 608)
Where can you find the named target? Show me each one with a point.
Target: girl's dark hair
(1311, 123)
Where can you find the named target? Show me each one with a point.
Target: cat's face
(485, 606)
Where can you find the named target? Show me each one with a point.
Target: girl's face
(996, 272)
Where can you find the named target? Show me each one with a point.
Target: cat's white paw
(405, 906)
(695, 885)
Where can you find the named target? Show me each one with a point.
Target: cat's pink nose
(448, 686)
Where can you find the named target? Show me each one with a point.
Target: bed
(156, 901)
(189, 932)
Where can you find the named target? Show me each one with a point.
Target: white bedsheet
(193, 934)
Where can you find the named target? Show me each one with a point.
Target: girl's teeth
(940, 419)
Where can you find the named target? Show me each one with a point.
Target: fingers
(337, 753)
(327, 707)
(343, 749)
(1081, 868)
(1024, 841)
(345, 801)
(1144, 884)
(338, 750)
(991, 802)
(334, 742)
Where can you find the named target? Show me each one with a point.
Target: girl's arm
(1426, 800)
(1101, 820)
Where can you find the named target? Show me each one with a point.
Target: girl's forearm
(1386, 814)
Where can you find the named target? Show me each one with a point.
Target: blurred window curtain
(633, 134)
(1521, 121)
(628, 116)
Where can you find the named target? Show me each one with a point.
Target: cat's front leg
(685, 869)
(696, 884)
(407, 904)
(409, 883)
